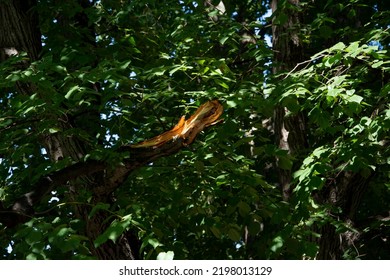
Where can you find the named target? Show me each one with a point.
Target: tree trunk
(346, 194)
(288, 51)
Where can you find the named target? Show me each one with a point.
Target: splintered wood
(206, 115)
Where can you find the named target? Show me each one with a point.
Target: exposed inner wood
(206, 115)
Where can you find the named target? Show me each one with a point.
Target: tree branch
(167, 143)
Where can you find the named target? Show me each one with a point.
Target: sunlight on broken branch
(206, 115)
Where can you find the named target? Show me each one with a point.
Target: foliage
(348, 113)
(219, 198)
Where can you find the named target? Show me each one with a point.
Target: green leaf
(222, 83)
(54, 130)
(234, 234)
(113, 232)
(353, 47)
(176, 68)
(125, 64)
(243, 208)
(377, 64)
(284, 162)
(154, 242)
(318, 152)
(71, 91)
(355, 98)
(223, 40)
(31, 256)
(231, 103)
(216, 231)
(277, 243)
(97, 207)
(33, 237)
(337, 47)
(166, 255)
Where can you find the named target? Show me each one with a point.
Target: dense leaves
(118, 72)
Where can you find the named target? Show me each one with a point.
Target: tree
(299, 162)
(341, 178)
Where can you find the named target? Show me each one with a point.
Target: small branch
(301, 63)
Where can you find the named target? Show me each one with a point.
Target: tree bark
(346, 194)
(288, 51)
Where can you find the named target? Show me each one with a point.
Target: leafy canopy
(219, 198)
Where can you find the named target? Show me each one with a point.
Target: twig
(301, 63)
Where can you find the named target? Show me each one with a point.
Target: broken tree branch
(167, 143)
